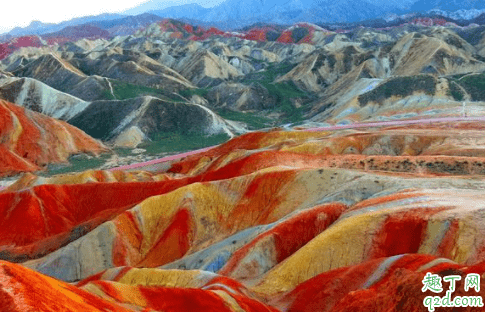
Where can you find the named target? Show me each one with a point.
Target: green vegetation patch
(474, 85)
(123, 91)
(172, 142)
(348, 59)
(455, 91)
(283, 91)
(399, 86)
(269, 74)
(77, 163)
(187, 93)
(273, 35)
(253, 121)
(299, 33)
(472, 35)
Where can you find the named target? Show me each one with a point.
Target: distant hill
(234, 14)
(238, 14)
(447, 5)
(74, 33)
(189, 11)
(34, 28)
(39, 28)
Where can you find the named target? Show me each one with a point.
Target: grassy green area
(160, 144)
(123, 91)
(400, 86)
(165, 142)
(188, 93)
(253, 121)
(299, 33)
(77, 163)
(284, 91)
(455, 91)
(474, 85)
(123, 151)
(270, 73)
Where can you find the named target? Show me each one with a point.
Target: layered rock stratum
(343, 166)
(336, 220)
(30, 141)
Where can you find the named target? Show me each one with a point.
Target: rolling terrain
(30, 141)
(233, 82)
(262, 222)
(277, 168)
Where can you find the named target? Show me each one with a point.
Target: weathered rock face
(84, 45)
(405, 97)
(29, 180)
(301, 220)
(321, 68)
(16, 43)
(38, 97)
(377, 284)
(204, 68)
(480, 43)
(56, 295)
(241, 97)
(265, 221)
(334, 76)
(84, 215)
(61, 75)
(53, 71)
(30, 140)
(444, 56)
(131, 67)
(129, 122)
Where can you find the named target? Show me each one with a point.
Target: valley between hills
(274, 168)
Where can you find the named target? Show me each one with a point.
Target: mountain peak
(36, 24)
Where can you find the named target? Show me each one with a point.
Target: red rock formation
(276, 221)
(23, 290)
(27, 41)
(385, 284)
(41, 219)
(30, 140)
(181, 30)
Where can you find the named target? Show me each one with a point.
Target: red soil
(24, 290)
(31, 140)
(398, 289)
(45, 217)
(292, 234)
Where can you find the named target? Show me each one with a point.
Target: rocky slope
(30, 141)
(16, 43)
(61, 75)
(130, 122)
(38, 97)
(263, 222)
(258, 78)
(121, 122)
(311, 210)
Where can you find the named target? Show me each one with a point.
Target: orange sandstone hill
(29, 140)
(342, 220)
